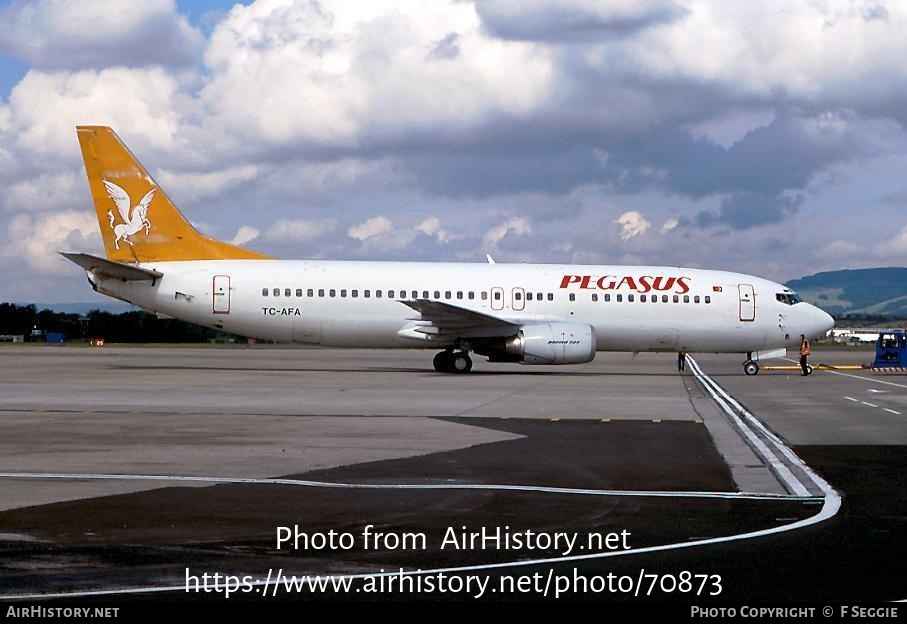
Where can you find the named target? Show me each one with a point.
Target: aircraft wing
(437, 320)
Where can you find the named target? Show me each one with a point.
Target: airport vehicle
(891, 351)
(527, 313)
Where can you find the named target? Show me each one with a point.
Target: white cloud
(669, 225)
(432, 227)
(632, 224)
(798, 48)
(198, 185)
(896, 247)
(372, 227)
(299, 230)
(47, 192)
(337, 71)
(495, 235)
(36, 240)
(245, 234)
(840, 250)
(77, 34)
(46, 107)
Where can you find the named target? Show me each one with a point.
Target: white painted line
(868, 403)
(832, 503)
(81, 476)
(879, 381)
(891, 410)
(860, 377)
(852, 399)
(875, 391)
(825, 513)
(783, 472)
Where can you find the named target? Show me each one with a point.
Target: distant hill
(857, 291)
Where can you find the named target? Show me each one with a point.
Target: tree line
(136, 326)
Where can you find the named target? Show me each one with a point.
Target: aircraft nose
(820, 321)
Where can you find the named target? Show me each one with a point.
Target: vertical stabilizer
(138, 221)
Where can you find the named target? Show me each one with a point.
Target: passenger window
(390, 294)
(298, 292)
(572, 296)
(607, 297)
(518, 296)
(484, 295)
(550, 296)
(642, 298)
(287, 292)
(377, 294)
(437, 294)
(630, 298)
(676, 299)
(664, 298)
(654, 298)
(264, 292)
(276, 292)
(594, 296)
(367, 294)
(497, 296)
(459, 294)
(472, 295)
(321, 292)
(355, 294)
(425, 294)
(620, 298)
(686, 298)
(447, 294)
(708, 299)
(332, 293)
(415, 294)
(696, 299)
(529, 296)
(310, 292)
(343, 293)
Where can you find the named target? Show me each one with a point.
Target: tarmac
(121, 468)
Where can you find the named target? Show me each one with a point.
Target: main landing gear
(450, 361)
(750, 367)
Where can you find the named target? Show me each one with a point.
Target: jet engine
(549, 343)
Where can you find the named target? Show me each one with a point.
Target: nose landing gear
(750, 368)
(450, 361)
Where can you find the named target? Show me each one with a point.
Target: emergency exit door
(221, 294)
(747, 302)
(518, 299)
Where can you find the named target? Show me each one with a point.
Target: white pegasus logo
(131, 223)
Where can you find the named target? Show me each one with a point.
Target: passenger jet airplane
(527, 313)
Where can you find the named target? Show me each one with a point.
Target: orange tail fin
(138, 221)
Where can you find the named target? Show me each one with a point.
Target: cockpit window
(788, 298)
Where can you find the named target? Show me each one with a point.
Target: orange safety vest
(804, 348)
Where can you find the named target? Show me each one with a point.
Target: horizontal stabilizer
(109, 268)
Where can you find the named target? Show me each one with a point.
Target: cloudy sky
(767, 137)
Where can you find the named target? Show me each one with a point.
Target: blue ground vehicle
(891, 351)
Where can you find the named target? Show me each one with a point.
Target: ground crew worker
(804, 353)
(681, 360)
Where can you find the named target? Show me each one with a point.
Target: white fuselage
(358, 304)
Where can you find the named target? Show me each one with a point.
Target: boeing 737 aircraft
(527, 313)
